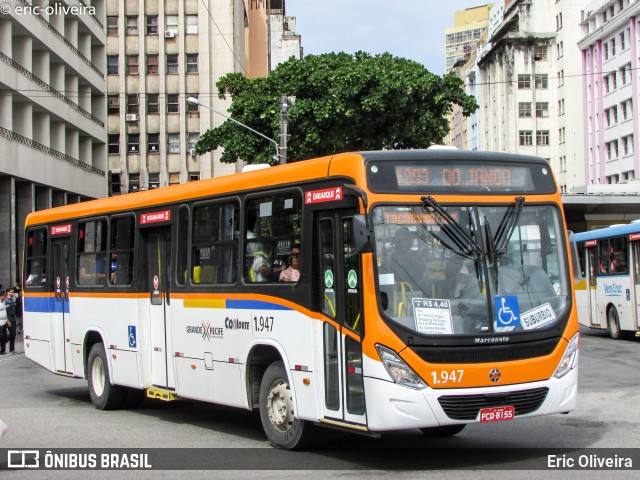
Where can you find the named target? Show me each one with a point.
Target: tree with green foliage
(343, 103)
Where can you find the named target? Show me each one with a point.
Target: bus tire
(613, 324)
(277, 412)
(444, 431)
(104, 395)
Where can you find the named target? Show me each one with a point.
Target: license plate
(497, 414)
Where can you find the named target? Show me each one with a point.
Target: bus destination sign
(465, 176)
(460, 177)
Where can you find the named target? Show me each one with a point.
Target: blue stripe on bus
(254, 305)
(44, 305)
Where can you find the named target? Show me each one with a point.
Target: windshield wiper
(452, 228)
(507, 226)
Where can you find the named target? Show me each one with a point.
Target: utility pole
(286, 101)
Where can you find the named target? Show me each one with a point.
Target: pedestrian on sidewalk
(3, 325)
(12, 323)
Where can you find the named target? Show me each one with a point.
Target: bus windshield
(475, 269)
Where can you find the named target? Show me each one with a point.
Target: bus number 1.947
(453, 376)
(262, 324)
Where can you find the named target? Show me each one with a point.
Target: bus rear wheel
(277, 411)
(104, 395)
(613, 324)
(445, 431)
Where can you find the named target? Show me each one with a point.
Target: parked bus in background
(434, 291)
(609, 294)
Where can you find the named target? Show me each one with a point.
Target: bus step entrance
(160, 394)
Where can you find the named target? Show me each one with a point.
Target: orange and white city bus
(434, 291)
(608, 296)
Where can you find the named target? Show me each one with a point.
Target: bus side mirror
(362, 233)
(575, 257)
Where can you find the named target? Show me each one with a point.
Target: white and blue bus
(609, 294)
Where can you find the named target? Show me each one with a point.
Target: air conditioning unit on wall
(131, 117)
(169, 34)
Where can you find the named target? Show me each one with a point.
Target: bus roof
(336, 165)
(617, 230)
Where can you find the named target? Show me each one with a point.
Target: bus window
(214, 256)
(352, 279)
(36, 268)
(183, 245)
(328, 268)
(92, 253)
(122, 238)
(618, 249)
(272, 227)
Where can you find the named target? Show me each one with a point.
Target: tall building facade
(468, 26)
(52, 113)
(525, 78)
(161, 53)
(609, 48)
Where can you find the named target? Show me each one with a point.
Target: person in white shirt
(3, 325)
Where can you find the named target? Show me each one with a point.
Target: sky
(412, 29)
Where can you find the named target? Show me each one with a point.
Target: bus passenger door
(158, 258)
(634, 262)
(340, 287)
(60, 325)
(592, 270)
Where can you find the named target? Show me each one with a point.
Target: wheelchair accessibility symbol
(132, 336)
(507, 311)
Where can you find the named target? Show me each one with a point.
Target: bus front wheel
(277, 411)
(104, 395)
(613, 324)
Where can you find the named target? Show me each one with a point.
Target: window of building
(561, 106)
(172, 104)
(115, 183)
(133, 103)
(152, 24)
(112, 26)
(541, 80)
(134, 182)
(132, 64)
(113, 104)
(132, 25)
(154, 180)
(542, 137)
(560, 49)
(192, 139)
(524, 81)
(122, 248)
(559, 21)
(194, 176)
(540, 52)
(172, 63)
(153, 142)
(542, 109)
(173, 143)
(112, 65)
(191, 108)
(191, 24)
(133, 143)
(524, 109)
(272, 229)
(153, 105)
(152, 64)
(174, 178)
(623, 43)
(214, 247)
(113, 144)
(92, 253)
(171, 23)
(526, 137)
(192, 63)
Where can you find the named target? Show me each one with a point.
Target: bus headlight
(570, 358)
(400, 372)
